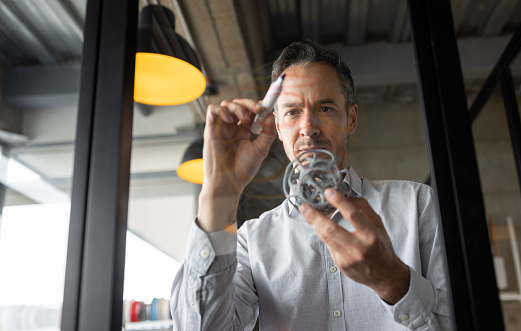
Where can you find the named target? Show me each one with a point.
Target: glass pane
(162, 206)
(41, 43)
(502, 197)
(389, 142)
(161, 210)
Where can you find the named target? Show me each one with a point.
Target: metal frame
(453, 165)
(496, 75)
(93, 296)
(512, 112)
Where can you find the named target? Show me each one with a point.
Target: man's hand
(365, 255)
(231, 159)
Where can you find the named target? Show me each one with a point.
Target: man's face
(311, 111)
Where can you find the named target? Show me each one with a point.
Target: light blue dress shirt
(277, 268)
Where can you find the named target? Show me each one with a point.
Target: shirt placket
(334, 286)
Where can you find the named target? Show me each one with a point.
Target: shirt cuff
(418, 304)
(216, 250)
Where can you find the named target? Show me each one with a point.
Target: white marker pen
(268, 102)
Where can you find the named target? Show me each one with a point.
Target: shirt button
(337, 313)
(404, 317)
(194, 308)
(204, 253)
(332, 269)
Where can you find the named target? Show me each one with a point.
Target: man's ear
(352, 121)
(277, 125)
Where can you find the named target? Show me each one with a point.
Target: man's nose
(310, 124)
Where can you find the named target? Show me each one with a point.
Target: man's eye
(292, 112)
(325, 109)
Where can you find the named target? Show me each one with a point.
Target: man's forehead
(294, 101)
(311, 83)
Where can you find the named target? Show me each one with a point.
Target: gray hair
(307, 52)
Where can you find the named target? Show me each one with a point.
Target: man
(376, 263)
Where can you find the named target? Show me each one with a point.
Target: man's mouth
(307, 148)
(305, 145)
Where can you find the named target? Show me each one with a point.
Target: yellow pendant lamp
(167, 68)
(167, 73)
(191, 168)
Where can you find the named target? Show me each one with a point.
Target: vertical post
(514, 123)
(93, 296)
(453, 165)
(82, 154)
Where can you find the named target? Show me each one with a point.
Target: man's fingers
(366, 209)
(268, 125)
(328, 231)
(241, 112)
(218, 111)
(254, 106)
(350, 210)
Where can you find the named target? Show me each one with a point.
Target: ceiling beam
(220, 42)
(357, 24)
(400, 29)
(459, 8)
(23, 37)
(371, 65)
(384, 64)
(310, 16)
(42, 86)
(498, 18)
(28, 183)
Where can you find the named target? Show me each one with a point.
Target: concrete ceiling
(238, 40)
(40, 57)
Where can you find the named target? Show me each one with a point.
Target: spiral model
(309, 174)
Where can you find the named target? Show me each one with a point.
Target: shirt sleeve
(426, 305)
(204, 296)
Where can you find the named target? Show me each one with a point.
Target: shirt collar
(355, 182)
